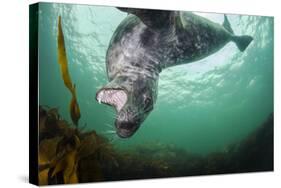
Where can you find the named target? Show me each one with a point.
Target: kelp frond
(63, 62)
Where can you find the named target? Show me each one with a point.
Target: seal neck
(131, 82)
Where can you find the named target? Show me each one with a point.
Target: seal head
(132, 101)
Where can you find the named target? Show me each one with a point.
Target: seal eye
(147, 100)
(147, 103)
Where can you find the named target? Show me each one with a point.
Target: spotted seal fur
(148, 41)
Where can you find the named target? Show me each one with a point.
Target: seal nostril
(125, 129)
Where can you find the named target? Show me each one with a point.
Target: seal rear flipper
(155, 19)
(242, 42)
(227, 25)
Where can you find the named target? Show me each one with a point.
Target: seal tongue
(113, 97)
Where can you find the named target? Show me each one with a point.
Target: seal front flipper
(242, 42)
(227, 25)
(155, 19)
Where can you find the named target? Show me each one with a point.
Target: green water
(201, 107)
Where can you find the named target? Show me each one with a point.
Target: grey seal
(146, 42)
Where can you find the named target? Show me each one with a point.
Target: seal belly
(199, 37)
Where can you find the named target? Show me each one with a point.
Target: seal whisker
(109, 125)
(110, 131)
(111, 112)
(114, 139)
(105, 133)
(108, 134)
(137, 114)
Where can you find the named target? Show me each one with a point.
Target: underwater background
(202, 107)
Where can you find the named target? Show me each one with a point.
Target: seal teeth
(113, 97)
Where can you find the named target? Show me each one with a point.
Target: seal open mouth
(113, 97)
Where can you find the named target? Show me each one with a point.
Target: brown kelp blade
(62, 60)
(74, 108)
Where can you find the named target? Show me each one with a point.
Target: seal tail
(242, 42)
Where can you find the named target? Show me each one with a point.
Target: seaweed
(63, 62)
(69, 155)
